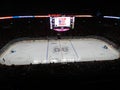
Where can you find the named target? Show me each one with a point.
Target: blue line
(60, 48)
(47, 51)
(74, 49)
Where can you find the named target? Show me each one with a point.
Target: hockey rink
(58, 51)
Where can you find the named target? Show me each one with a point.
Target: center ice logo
(64, 49)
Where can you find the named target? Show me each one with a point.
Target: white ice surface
(58, 51)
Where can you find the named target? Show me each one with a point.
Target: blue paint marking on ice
(74, 49)
(47, 51)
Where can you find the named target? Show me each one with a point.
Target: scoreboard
(62, 23)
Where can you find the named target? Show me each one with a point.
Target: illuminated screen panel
(62, 21)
